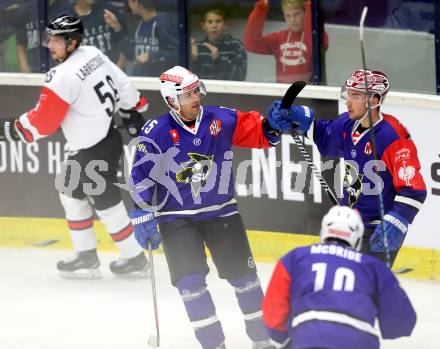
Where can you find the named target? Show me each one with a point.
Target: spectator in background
(104, 26)
(219, 55)
(154, 47)
(28, 33)
(413, 15)
(291, 47)
(8, 9)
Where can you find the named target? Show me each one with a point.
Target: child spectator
(219, 55)
(291, 47)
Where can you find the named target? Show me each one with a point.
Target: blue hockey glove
(145, 228)
(300, 117)
(395, 228)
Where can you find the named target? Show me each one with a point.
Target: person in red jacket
(291, 47)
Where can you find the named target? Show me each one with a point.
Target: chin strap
(366, 113)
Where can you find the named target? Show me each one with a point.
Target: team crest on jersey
(406, 173)
(215, 127)
(195, 171)
(368, 150)
(403, 154)
(352, 184)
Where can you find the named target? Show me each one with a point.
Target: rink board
(271, 204)
(267, 246)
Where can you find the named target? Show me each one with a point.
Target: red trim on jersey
(249, 131)
(80, 225)
(403, 163)
(401, 131)
(142, 105)
(276, 303)
(49, 112)
(123, 234)
(25, 133)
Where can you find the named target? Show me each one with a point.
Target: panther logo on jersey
(195, 171)
(352, 184)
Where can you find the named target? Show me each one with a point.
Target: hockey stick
(287, 101)
(153, 340)
(372, 133)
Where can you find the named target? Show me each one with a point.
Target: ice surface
(39, 310)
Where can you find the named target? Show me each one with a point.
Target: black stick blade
(291, 93)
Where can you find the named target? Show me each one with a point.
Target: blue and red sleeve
(402, 161)
(276, 303)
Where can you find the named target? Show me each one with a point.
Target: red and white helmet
(343, 223)
(377, 83)
(175, 84)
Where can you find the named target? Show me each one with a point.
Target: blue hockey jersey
(191, 168)
(329, 295)
(404, 190)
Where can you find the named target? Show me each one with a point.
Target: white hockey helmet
(176, 85)
(343, 223)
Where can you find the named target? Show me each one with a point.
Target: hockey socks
(250, 298)
(201, 310)
(118, 224)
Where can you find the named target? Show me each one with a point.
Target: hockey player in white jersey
(80, 96)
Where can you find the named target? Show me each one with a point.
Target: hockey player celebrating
(328, 295)
(396, 174)
(80, 96)
(185, 156)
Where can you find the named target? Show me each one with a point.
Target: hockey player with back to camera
(186, 157)
(329, 295)
(397, 172)
(80, 96)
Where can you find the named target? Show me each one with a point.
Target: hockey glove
(8, 131)
(132, 120)
(395, 227)
(300, 117)
(145, 228)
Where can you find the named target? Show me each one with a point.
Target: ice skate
(135, 267)
(262, 345)
(83, 265)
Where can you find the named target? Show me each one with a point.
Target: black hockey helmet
(68, 27)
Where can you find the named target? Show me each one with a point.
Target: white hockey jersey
(80, 95)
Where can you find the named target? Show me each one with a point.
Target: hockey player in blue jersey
(398, 169)
(328, 295)
(186, 157)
